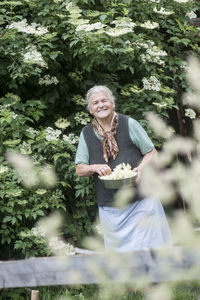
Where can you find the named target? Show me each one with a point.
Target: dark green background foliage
(79, 59)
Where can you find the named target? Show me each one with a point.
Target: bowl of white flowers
(122, 176)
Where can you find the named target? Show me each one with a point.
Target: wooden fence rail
(176, 263)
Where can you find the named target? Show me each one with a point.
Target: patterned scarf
(109, 144)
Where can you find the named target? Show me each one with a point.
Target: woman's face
(101, 107)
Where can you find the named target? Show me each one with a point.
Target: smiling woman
(109, 140)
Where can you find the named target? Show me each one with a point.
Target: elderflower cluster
(122, 26)
(151, 83)
(25, 148)
(59, 246)
(90, 27)
(190, 113)
(48, 80)
(182, 1)
(32, 56)
(156, 1)
(162, 11)
(3, 169)
(153, 55)
(191, 15)
(82, 118)
(32, 131)
(38, 231)
(114, 32)
(51, 134)
(149, 25)
(78, 99)
(121, 171)
(123, 23)
(71, 138)
(62, 123)
(23, 26)
(14, 116)
(41, 191)
(146, 45)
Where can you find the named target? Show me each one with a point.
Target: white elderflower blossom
(90, 27)
(25, 148)
(23, 26)
(156, 1)
(71, 138)
(182, 1)
(82, 118)
(190, 113)
(51, 134)
(14, 116)
(191, 15)
(162, 11)
(118, 31)
(41, 191)
(144, 45)
(48, 80)
(153, 55)
(121, 171)
(123, 23)
(78, 99)
(32, 131)
(32, 56)
(38, 231)
(62, 123)
(3, 169)
(151, 83)
(57, 245)
(149, 25)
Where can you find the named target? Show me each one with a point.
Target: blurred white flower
(14, 116)
(25, 148)
(3, 169)
(41, 191)
(48, 176)
(32, 131)
(189, 112)
(182, 1)
(191, 15)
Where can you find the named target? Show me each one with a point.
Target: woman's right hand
(101, 169)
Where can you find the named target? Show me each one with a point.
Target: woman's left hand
(138, 177)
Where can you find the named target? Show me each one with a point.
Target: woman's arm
(88, 170)
(146, 159)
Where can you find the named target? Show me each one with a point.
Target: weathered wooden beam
(176, 263)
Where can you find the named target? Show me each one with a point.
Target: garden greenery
(51, 52)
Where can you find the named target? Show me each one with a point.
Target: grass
(189, 290)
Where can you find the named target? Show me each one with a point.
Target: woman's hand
(88, 170)
(101, 169)
(138, 177)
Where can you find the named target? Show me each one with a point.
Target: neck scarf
(109, 144)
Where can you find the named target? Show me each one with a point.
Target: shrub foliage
(51, 52)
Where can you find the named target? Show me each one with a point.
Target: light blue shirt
(137, 134)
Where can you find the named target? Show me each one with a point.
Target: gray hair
(96, 89)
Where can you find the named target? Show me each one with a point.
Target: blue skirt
(141, 225)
